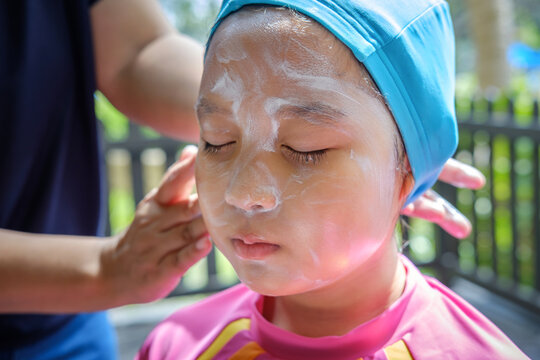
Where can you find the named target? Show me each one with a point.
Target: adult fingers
(178, 262)
(189, 232)
(179, 237)
(180, 213)
(178, 181)
(432, 207)
(462, 175)
(188, 151)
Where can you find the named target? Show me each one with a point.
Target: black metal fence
(503, 252)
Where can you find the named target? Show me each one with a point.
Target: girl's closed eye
(305, 157)
(214, 149)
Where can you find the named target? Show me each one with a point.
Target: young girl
(301, 175)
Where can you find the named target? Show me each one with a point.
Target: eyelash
(214, 149)
(302, 157)
(307, 157)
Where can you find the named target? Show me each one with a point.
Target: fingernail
(407, 209)
(461, 233)
(190, 149)
(202, 244)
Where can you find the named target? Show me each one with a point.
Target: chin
(276, 291)
(269, 285)
(263, 282)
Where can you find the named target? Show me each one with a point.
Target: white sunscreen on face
(230, 89)
(228, 53)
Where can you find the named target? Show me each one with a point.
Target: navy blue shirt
(50, 170)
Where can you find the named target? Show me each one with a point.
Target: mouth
(253, 248)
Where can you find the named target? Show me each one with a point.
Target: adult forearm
(62, 274)
(146, 68)
(159, 87)
(54, 273)
(51, 273)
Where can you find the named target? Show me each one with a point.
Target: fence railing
(503, 252)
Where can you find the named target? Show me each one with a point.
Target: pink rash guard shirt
(428, 321)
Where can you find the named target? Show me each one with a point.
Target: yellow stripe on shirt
(248, 352)
(398, 351)
(223, 338)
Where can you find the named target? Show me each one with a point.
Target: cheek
(378, 184)
(347, 211)
(351, 190)
(211, 183)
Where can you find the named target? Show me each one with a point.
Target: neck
(337, 309)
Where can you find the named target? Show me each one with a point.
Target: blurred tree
(192, 17)
(492, 29)
(529, 9)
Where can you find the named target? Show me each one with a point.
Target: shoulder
(188, 331)
(449, 327)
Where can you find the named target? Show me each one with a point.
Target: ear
(407, 183)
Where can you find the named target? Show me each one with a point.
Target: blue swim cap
(408, 48)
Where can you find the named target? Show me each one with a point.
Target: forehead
(271, 22)
(273, 53)
(284, 40)
(277, 34)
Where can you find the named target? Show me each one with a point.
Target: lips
(253, 248)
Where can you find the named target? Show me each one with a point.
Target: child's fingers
(178, 181)
(462, 175)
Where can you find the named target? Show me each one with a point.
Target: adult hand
(165, 239)
(432, 207)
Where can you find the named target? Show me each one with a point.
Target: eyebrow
(316, 113)
(206, 107)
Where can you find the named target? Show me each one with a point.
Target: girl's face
(297, 172)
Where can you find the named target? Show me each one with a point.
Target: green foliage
(196, 275)
(121, 209)
(528, 30)
(226, 273)
(519, 91)
(497, 230)
(193, 18)
(115, 123)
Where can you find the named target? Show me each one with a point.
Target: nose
(253, 190)
(259, 200)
